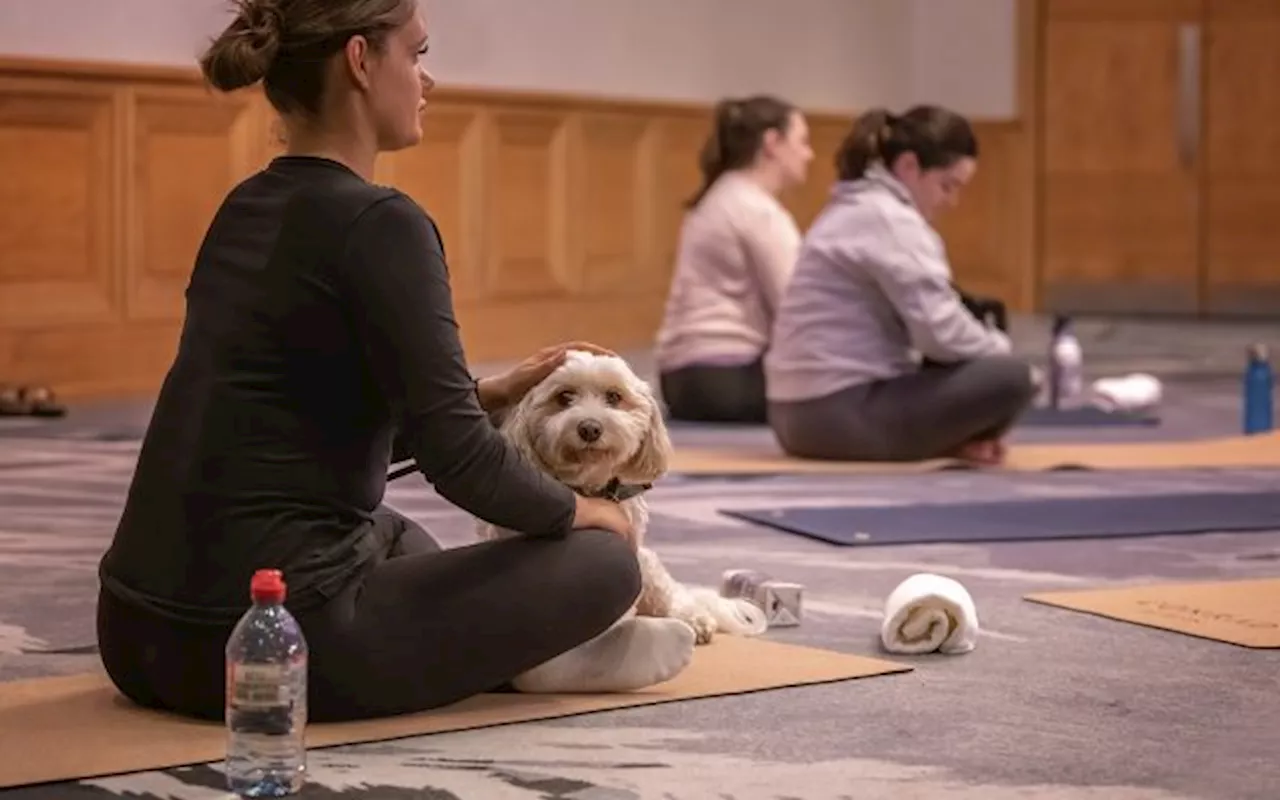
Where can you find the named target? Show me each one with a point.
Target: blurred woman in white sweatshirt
(737, 249)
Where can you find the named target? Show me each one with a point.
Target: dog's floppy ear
(649, 462)
(517, 427)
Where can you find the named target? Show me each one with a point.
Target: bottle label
(270, 747)
(260, 686)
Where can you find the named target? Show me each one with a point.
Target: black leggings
(708, 393)
(424, 628)
(919, 416)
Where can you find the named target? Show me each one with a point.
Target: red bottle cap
(267, 586)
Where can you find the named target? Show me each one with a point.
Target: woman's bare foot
(984, 452)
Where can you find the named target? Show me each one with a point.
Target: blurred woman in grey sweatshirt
(874, 356)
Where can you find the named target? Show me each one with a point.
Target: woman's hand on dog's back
(596, 512)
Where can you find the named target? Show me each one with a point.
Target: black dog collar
(617, 491)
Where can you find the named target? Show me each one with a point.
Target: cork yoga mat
(1224, 453)
(1242, 612)
(77, 727)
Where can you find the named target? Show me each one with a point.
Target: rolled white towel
(1135, 392)
(929, 613)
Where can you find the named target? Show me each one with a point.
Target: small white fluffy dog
(594, 425)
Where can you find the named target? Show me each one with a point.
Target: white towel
(929, 613)
(1135, 392)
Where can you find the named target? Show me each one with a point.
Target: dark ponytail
(937, 136)
(737, 132)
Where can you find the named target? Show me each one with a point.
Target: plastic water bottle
(1066, 365)
(266, 707)
(1259, 387)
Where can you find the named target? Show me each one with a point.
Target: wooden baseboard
(559, 213)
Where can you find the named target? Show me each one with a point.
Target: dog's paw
(704, 625)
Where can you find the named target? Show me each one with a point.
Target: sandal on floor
(12, 403)
(40, 401)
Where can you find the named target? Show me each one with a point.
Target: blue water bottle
(266, 711)
(1259, 387)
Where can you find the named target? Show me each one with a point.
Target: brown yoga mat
(1230, 452)
(77, 727)
(1243, 612)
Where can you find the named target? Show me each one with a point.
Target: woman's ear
(770, 140)
(906, 167)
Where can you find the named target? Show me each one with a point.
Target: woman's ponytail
(865, 144)
(937, 137)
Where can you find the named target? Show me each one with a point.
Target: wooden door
(1241, 147)
(1119, 171)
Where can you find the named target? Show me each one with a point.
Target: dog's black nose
(589, 430)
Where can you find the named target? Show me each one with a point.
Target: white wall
(964, 55)
(145, 31)
(824, 54)
(821, 53)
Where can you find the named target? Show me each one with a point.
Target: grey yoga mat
(1025, 519)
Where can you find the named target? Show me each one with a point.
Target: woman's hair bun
(243, 54)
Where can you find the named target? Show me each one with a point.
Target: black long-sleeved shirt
(319, 322)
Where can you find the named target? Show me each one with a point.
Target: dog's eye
(613, 397)
(565, 398)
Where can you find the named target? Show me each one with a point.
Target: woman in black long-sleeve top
(319, 323)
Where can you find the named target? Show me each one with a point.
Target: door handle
(1190, 37)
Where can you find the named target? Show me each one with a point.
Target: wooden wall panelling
(1026, 255)
(559, 215)
(59, 231)
(525, 203)
(596, 183)
(610, 196)
(673, 146)
(1161, 164)
(1240, 150)
(1120, 195)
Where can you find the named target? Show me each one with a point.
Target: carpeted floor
(1051, 704)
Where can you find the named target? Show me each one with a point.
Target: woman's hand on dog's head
(586, 347)
(501, 391)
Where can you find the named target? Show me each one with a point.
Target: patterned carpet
(1051, 705)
